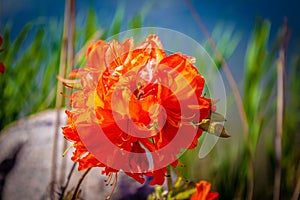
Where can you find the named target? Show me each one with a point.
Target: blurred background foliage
(29, 86)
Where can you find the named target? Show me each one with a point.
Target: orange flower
(203, 192)
(140, 99)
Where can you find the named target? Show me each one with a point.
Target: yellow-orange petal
(203, 192)
(95, 55)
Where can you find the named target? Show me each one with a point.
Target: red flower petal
(158, 176)
(203, 192)
(2, 68)
(127, 92)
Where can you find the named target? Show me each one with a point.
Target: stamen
(68, 86)
(67, 150)
(139, 91)
(67, 80)
(107, 181)
(114, 184)
(139, 95)
(139, 85)
(65, 95)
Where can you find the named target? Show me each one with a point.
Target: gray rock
(26, 153)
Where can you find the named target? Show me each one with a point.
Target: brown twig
(79, 183)
(59, 101)
(169, 179)
(67, 182)
(237, 97)
(281, 66)
(70, 66)
(297, 187)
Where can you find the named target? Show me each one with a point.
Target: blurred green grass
(227, 166)
(28, 84)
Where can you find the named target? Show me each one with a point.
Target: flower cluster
(140, 98)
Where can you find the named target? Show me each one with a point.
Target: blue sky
(173, 14)
(165, 13)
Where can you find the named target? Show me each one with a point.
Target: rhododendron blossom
(203, 192)
(134, 108)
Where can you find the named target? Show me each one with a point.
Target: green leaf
(185, 194)
(136, 21)
(15, 47)
(214, 128)
(217, 117)
(91, 25)
(256, 53)
(226, 41)
(117, 21)
(182, 189)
